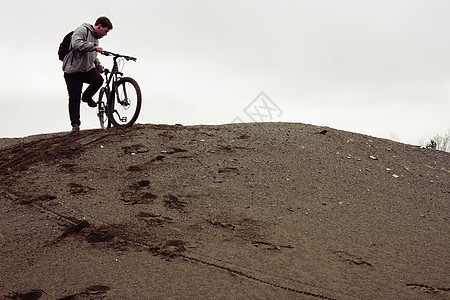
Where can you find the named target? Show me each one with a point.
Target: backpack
(65, 46)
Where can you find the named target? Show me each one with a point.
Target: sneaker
(75, 128)
(89, 101)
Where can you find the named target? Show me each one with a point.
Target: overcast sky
(377, 67)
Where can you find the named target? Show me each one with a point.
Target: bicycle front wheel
(125, 103)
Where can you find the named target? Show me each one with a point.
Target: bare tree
(438, 142)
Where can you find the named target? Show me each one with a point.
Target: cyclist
(81, 65)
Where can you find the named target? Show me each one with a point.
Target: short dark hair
(105, 22)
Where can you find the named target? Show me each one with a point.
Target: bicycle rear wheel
(125, 103)
(102, 114)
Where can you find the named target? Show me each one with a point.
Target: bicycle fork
(124, 103)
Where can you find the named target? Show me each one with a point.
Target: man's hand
(99, 49)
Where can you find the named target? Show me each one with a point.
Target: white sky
(377, 67)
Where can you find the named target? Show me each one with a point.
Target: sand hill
(242, 211)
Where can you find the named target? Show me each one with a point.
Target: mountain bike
(122, 96)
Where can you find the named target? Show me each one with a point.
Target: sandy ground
(242, 211)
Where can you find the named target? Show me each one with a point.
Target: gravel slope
(241, 211)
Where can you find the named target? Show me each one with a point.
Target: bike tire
(102, 114)
(125, 102)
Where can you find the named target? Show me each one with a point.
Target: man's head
(102, 26)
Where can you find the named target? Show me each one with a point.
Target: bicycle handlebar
(107, 53)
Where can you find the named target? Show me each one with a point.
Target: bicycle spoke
(126, 103)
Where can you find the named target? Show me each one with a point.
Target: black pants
(74, 84)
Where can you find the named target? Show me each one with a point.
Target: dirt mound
(242, 211)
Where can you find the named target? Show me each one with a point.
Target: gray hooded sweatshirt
(82, 56)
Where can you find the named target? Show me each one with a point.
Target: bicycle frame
(114, 75)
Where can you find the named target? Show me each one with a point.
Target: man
(81, 65)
